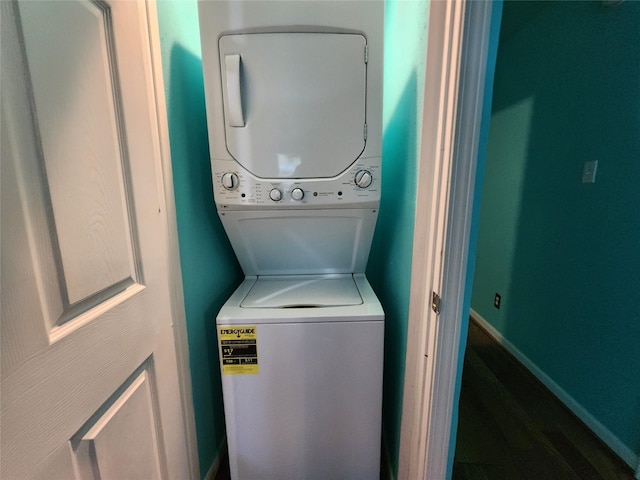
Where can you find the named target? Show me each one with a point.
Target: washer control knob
(363, 178)
(230, 180)
(275, 195)
(297, 194)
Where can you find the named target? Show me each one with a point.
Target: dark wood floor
(512, 427)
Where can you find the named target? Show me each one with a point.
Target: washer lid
(298, 291)
(294, 103)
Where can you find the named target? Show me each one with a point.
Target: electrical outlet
(496, 300)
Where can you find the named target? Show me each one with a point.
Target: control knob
(230, 180)
(275, 195)
(363, 178)
(297, 194)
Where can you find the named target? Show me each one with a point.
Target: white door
(90, 385)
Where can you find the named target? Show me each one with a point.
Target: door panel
(88, 365)
(123, 437)
(302, 96)
(77, 108)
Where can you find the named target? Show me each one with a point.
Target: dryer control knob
(275, 195)
(230, 180)
(363, 178)
(297, 194)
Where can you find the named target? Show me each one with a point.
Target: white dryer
(294, 108)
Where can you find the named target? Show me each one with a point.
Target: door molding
(444, 42)
(457, 48)
(171, 228)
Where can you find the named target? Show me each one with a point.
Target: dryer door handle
(234, 92)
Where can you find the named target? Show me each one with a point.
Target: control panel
(358, 186)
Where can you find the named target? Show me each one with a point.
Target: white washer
(310, 406)
(294, 111)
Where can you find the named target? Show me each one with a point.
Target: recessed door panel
(294, 103)
(123, 441)
(82, 144)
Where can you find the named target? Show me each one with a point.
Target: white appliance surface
(221, 18)
(294, 112)
(294, 102)
(302, 99)
(313, 410)
(285, 242)
(309, 291)
(368, 308)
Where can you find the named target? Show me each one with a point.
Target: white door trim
(173, 255)
(440, 98)
(457, 49)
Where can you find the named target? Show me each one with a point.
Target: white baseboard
(215, 466)
(624, 452)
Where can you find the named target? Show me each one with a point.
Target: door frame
(457, 50)
(171, 230)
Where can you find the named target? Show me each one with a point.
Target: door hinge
(364, 131)
(435, 302)
(366, 54)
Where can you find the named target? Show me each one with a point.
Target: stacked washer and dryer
(294, 109)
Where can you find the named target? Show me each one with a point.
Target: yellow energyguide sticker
(239, 350)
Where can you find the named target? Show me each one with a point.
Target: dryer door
(294, 103)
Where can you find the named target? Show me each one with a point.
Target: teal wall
(563, 254)
(389, 268)
(209, 268)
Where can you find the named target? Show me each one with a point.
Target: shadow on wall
(389, 267)
(210, 271)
